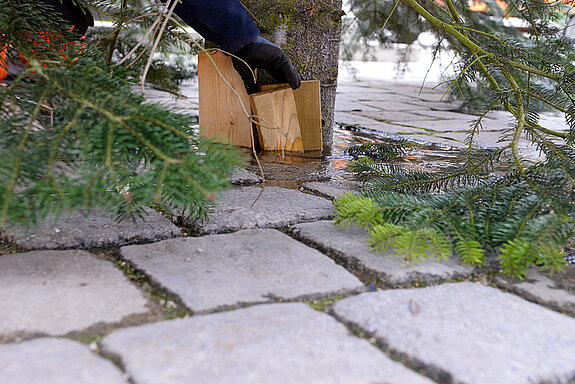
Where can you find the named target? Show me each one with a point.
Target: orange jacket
(3, 64)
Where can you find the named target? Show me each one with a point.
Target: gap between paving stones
(372, 278)
(504, 285)
(157, 310)
(212, 270)
(366, 275)
(392, 136)
(167, 302)
(57, 360)
(473, 333)
(114, 359)
(232, 346)
(403, 359)
(351, 327)
(433, 372)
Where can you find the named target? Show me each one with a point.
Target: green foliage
(169, 67)
(498, 204)
(388, 151)
(521, 220)
(403, 25)
(412, 244)
(485, 48)
(73, 133)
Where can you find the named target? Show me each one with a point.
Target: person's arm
(73, 13)
(228, 24)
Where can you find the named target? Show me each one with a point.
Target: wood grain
(221, 114)
(308, 104)
(277, 115)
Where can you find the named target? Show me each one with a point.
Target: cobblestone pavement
(274, 292)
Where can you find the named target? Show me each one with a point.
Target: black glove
(261, 53)
(74, 13)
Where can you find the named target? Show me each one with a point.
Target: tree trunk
(309, 33)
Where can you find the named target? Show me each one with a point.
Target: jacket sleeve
(224, 22)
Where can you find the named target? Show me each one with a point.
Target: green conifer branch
(474, 48)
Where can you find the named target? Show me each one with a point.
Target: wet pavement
(273, 292)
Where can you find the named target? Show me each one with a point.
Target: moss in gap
(417, 284)
(170, 306)
(88, 339)
(322, 304)
(8, 247)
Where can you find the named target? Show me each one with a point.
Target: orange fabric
(65, 48)
(3, 64)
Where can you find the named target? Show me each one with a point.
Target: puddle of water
(294, 169)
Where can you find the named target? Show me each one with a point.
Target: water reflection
(291, 170)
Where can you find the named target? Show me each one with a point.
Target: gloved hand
(262, 53)
(74, 13)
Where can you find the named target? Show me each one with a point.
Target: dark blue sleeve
(224, 22)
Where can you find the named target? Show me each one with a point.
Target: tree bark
(309, 32)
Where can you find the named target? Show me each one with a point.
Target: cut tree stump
(222, 116)
(277, 116)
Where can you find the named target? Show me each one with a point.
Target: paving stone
(249, 207)
(445, 115)
(485, 139)
(56, 292)
(241, 176)
(439, 126)
(350, 248)
(554, 291)
(428, 95)
(468, 333)
(93, 230)
(438, 105)
(395, 116)
(251, 266)
(351, 104)
(385, 128)
(334, 188)
(55, 361)
(392, 105)
(556, 123)
(275, 343)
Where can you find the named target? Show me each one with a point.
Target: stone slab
(241, 176)
(333, 189)
(556, 123)
(556, 291)
(438, 105)
(93, 230)
(444, 115)
(276, 343)
(462, 125)
(389, 105)
(348, 104)
(438, 126)
(350, 248)
(394, 129)
(55, 361)
(387, 128)
(468, 333)
(397, 116)
(57, 292)
(249, 207)
(251, 266)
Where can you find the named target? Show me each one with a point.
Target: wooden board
(308, 104)
(278, 127)
(221, 114)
